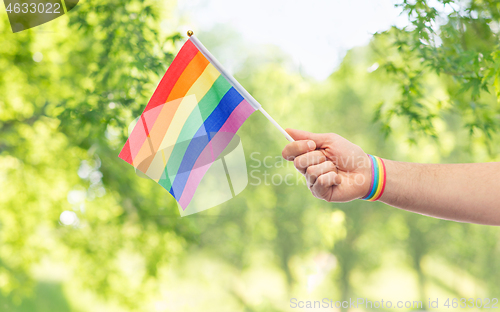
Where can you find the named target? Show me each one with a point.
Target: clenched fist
(336, 170)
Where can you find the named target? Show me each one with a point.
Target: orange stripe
(192, 72)
(163, 121)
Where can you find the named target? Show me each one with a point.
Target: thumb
(319, 138)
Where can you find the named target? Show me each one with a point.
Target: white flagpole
(235, 83)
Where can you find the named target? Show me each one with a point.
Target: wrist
(397, 182)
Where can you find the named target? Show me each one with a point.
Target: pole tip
(190, 33)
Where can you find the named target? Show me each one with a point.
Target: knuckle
(310, 171)
(331, 165)
(296, 162)
(323, 179)
(297, 146)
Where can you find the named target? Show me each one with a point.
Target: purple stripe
(373, 178)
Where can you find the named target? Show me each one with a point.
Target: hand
(336, 170)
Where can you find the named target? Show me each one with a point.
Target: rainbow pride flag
(191, 118)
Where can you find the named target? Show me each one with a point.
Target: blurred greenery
(426, 93)
(457, 40)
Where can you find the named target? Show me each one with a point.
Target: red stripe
(181, 61)
(125, 153)
(145, 125)
(139, 134)
(385, 179)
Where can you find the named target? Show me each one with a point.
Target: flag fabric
(188, 122)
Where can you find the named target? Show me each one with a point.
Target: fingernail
(311, 145)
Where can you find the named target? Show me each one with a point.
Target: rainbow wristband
(379, 177)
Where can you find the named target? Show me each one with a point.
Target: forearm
(460, 192)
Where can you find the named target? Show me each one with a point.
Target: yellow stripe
(380, 178)
(156, 167)
(186, 107)
(164, 160)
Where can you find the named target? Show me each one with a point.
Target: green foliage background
(426, 93)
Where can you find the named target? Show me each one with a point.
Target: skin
(337, 170)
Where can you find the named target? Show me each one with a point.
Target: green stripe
(376, 178)
(205, 107)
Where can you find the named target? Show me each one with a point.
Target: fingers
(322, 186)
(298, 148)
(303, 161)
(299, 135)
(313, 172)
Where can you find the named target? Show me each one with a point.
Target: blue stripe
(375, 181)
(209, 128)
